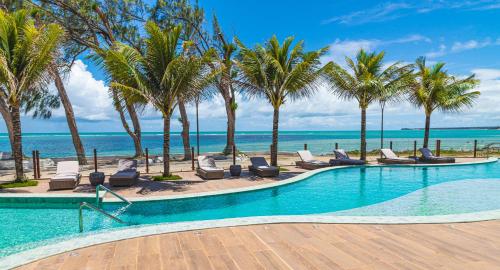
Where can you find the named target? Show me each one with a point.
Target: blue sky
(464, 34)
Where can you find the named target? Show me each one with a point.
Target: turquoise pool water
(24, 226)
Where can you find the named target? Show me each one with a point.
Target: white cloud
(89, 97)
(460, 46)
(440, 52)
(342, 48)
(393, 10)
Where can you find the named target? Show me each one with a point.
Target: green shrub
(27, 183)
(171, 177)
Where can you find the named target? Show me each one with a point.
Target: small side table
(96, 178)
(235, 170)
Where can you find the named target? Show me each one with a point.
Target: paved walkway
(298, 246)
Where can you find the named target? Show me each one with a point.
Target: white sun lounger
(67, 176)
(309, 162)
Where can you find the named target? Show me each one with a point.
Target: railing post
(147, 160)
(95, 160)
(475, 148)
(336, 146)
(192, 158)
(97, 199)
(390, 145)
(80, 217)
(305, 146)
(438, 148)
(415, 148)
(234, 154)
(38, 164)
(35, 176)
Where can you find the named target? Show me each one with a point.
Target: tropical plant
(163, 75)
(192, 17)
(26, 52)
(435, 89)
(279, 72)
(367, 81)
(96, 25)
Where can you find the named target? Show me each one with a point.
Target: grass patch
(171, 177)
(28, 183)
(284, 169)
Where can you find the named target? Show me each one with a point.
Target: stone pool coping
(38, 253)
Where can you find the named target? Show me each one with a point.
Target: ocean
(55, 145)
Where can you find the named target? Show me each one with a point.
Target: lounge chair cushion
(206, 162)
(388, 153)
(341, 154)
(65, 176)
(67, 167)
(259, 162)
(128, 174)
(127, 165)
(427, 156)
(306, 155)
(211, 169)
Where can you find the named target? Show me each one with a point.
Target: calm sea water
(319, 142)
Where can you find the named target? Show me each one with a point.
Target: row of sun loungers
(68, 172)
(207, 169)
(68, 175)
(309, 162)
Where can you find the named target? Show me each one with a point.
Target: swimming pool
(343, 191)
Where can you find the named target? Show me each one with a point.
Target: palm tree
(25, 55)
(367, 82)
(436, 89)
(278, 73)
(163, 75)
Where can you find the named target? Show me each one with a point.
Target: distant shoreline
(457, 128)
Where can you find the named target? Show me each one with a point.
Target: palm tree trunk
(231, 125)
(17, 147)
(185, 131)
(166, 145)
(274, 149)
(427, 129)
(70, 117)
(136, 134)
(137, 130)
(363, 134)
(231, 120)
(4, 110)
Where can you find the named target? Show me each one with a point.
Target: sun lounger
(309, 162)
(428, 157)
(389, 157)
(126, 175)
(261, 168)
(342, 158)
(207, 168)
(67, 176)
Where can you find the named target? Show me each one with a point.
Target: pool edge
(42, 252)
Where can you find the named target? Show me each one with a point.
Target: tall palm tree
(279, 72)
(367, 81)
(436, 89)
(25, 55)
(163, 75)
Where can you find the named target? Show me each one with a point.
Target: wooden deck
(298, 246)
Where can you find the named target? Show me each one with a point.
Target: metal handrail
(98, 201)
(92, 207)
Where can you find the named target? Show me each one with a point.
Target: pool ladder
(99, 210)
